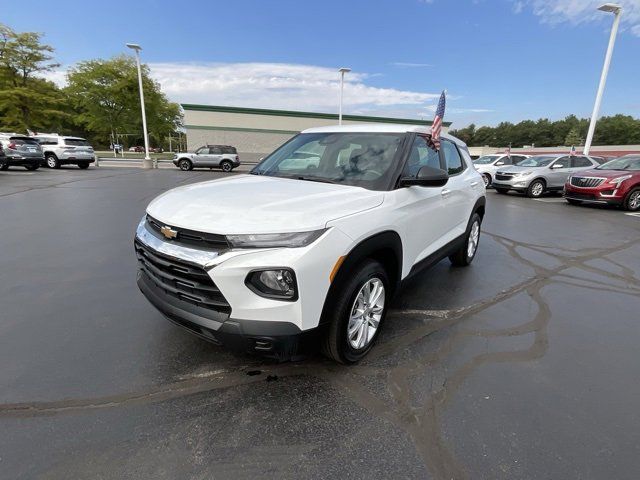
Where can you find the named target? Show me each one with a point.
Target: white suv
(310, 247)
(488, 165)
(64, 150)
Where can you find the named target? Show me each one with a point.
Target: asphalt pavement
(523, 366)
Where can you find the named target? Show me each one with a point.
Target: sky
(498, 60)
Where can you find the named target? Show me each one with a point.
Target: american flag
(436, 127)
(573, 150)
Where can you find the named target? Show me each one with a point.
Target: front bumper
(604, 195)
(514, 183)
(243, 320)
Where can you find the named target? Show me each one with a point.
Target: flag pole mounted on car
(146, 163)
(436, 127)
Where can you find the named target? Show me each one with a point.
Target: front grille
(504, 176)
(203, 240)
(586, 182)
(180, 279)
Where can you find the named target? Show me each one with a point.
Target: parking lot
(524, 365)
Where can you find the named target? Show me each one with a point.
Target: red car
(616, 182)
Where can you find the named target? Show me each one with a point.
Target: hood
(516, 169)
(606, 173)
(259, 204)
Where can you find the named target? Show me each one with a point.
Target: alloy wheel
(537, 189)
(474, 238)
(366, 314)
(634, 200)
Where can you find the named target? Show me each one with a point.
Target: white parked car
(488, 165)
(65, 150)
(300, 253)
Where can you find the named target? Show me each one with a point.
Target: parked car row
(582, 178)
(52, 150)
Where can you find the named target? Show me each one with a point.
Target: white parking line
(633, 214)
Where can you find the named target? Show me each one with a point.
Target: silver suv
(63, 150)
(488, 165)
(224, 157)
(539, 174)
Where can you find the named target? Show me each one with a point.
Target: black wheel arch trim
(373, 247)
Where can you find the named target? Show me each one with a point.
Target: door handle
(473, 184)
(445, 192)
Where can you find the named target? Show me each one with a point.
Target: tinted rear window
(76, 142)
(23, 140)
(231, 150)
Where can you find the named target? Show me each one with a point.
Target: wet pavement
(525, 365)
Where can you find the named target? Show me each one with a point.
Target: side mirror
(499, 164)
(426, 177)
(556, 165)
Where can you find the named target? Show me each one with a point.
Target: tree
(106, 93)
(573, 138)
(27, 101)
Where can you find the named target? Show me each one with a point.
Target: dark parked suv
(19, 151)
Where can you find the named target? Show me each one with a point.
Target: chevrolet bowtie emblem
(168, 232)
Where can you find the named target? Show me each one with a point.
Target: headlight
(277, 283)
(617, 181)
(271, 240)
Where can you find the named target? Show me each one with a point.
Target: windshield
(539, 161)
(358, 159)
(485, 160)
(622, 163)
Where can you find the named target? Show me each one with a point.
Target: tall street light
(146, 163)
(616, 10)
(342, 71)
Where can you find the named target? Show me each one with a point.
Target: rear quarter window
(76, 142)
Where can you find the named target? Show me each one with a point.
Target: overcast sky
(498, 59)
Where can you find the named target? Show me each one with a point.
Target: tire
(4, 167)
(185, 165)
(465, 254)
(536, 189)
(503, 191)
(337, 343)
(52, 161)
(571, 201)
(486, 178)
(632, 202)
(32, 167)
(83, 165)
(226, 166)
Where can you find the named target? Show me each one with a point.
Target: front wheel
(486, 178)
(536, 189)
(5, 167)
(226, 166)
(467, 252)
(185, 165)
(359, 310)
(52, 161)
(632, 203)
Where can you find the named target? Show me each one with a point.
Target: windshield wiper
(314, 179)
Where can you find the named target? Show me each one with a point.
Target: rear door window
(452, 158)
(215, 150)
(229, 150)
(581, 162)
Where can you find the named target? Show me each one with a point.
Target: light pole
(616, 10)
(146, 163)
(342, 71)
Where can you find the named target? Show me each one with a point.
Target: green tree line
(614, 130)
(100, 100)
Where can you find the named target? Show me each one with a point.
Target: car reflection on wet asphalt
(524, 365)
